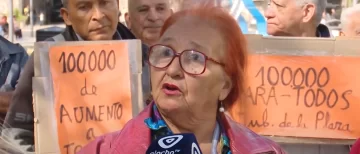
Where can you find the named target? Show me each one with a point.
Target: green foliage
(19, 16)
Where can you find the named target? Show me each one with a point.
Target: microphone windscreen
(175, 144)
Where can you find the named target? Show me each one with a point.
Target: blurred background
(46, 13)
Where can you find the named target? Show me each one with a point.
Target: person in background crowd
(89, 20)
(300, 18)
(42, 18)
(197, 72)
(333, 13)
(146, 17)
(350, 21)
(26, 10)
(17, 29)
(12, 60)
(4, 25)
(323, 19)
(27, 14)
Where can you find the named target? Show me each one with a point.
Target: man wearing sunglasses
(89, 20)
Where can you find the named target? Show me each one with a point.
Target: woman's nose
(174, 69)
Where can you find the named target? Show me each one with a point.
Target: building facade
(4, 6)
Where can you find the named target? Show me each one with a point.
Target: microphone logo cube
(195, 149)
(175, 144)
(169, 141)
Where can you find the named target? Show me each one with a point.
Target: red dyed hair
(235, 57)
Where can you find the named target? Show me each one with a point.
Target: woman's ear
(226, 88)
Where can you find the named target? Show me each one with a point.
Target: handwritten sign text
(303, 96)
(91, 91)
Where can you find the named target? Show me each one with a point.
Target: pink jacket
(355, 149)
(135, 138)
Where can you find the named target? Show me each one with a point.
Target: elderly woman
(197, 72)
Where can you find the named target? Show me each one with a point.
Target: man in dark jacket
(89, 20)
(12, 60)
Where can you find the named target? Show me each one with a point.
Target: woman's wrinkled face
(177, 90)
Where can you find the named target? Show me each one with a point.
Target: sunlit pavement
(27, 41)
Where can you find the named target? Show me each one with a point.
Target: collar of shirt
(78, 37)
(159, 128)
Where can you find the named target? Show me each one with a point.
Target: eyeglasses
(191, 61)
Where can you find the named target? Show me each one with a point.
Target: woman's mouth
(171, 89)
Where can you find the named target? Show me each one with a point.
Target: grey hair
(320, 6)
(347, 13)
(65, 3)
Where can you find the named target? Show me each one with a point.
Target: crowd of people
(4, 27)
(201, 77)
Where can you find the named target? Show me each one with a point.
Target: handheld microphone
(175, 144)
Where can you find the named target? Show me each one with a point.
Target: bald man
(350, 21)
(146, 17)
(297, 18)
